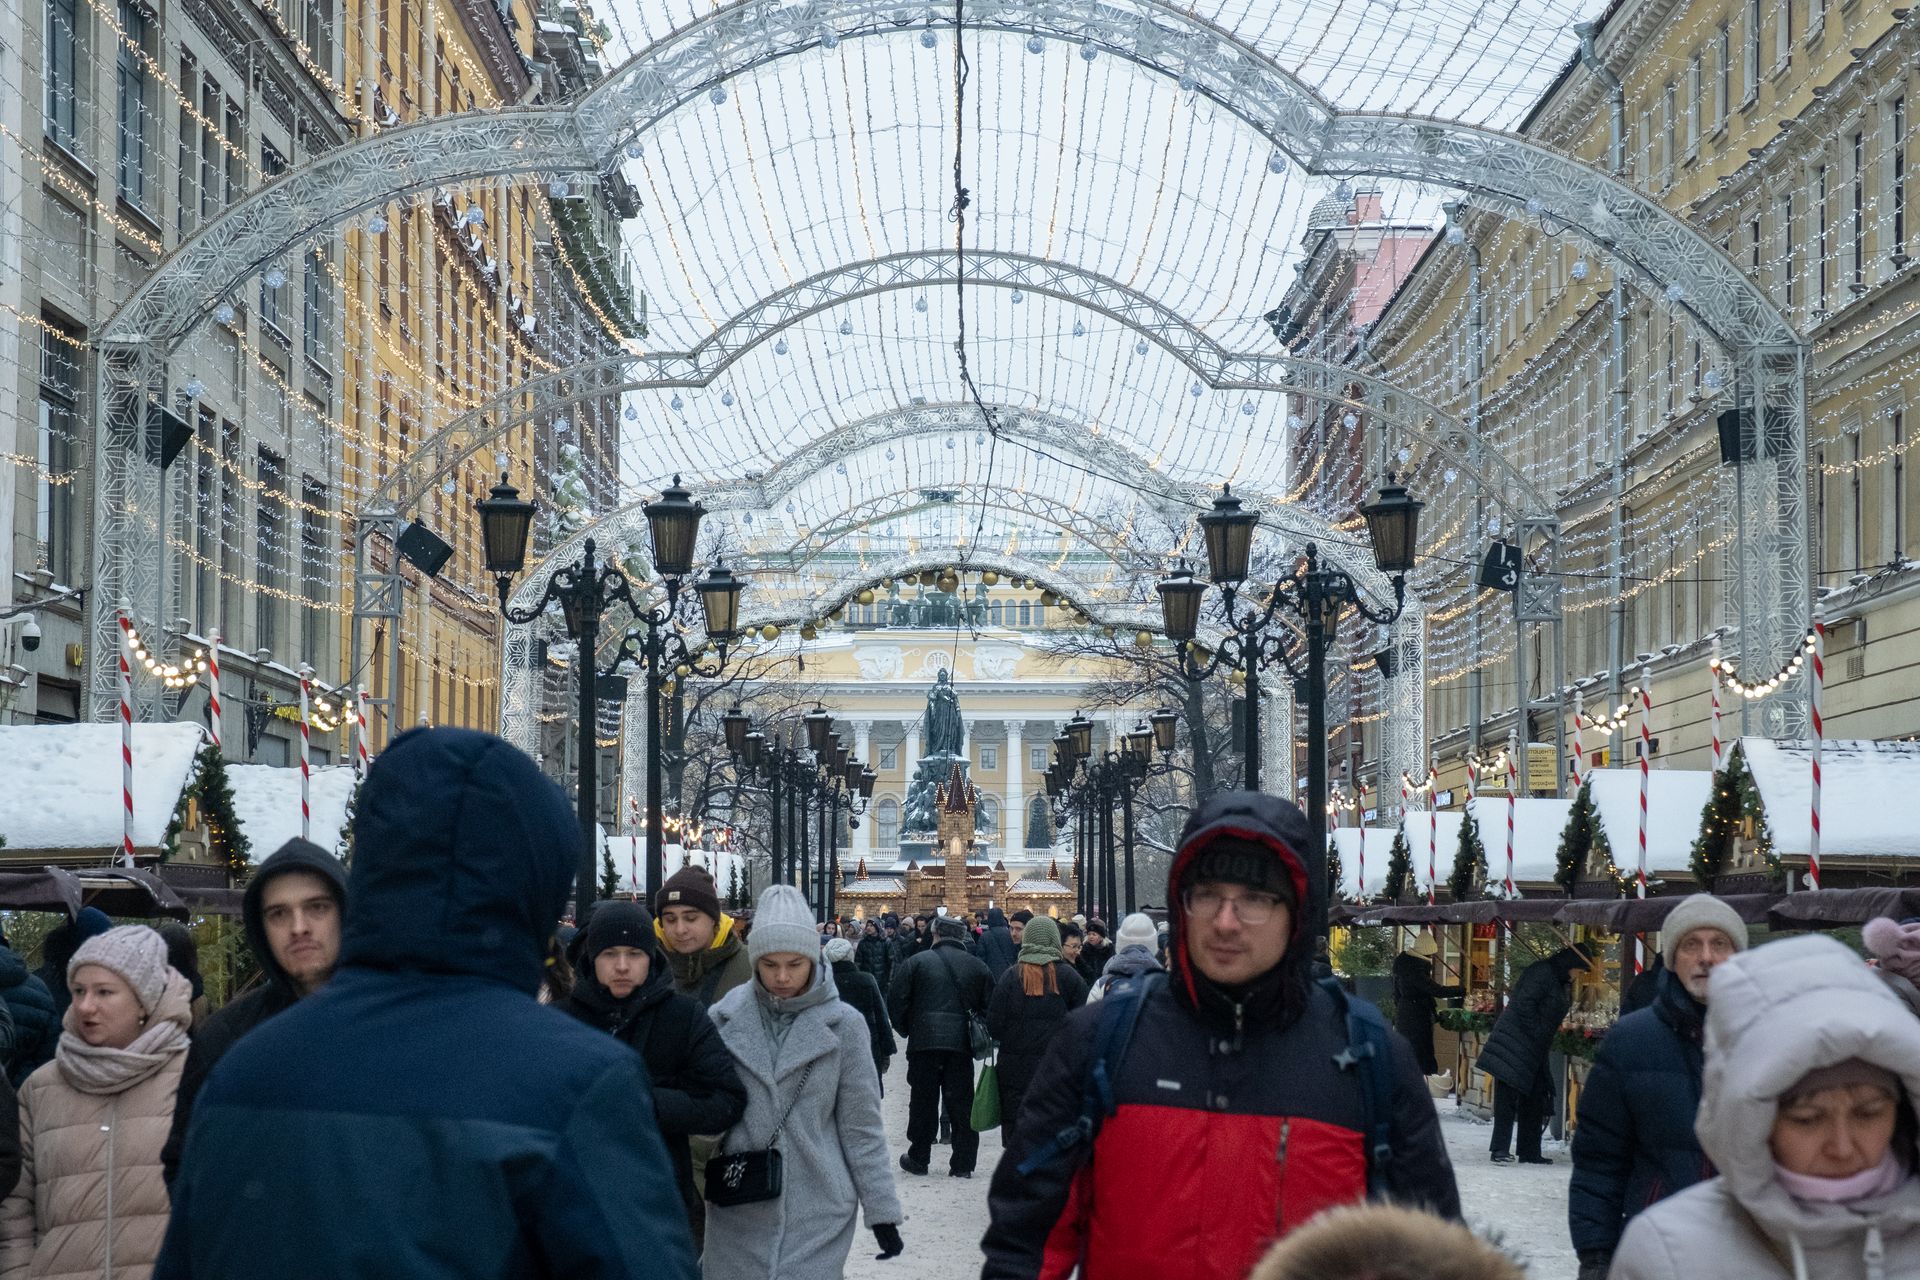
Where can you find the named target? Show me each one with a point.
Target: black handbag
(979, 1039)
(749, 1177)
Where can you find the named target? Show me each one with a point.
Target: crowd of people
(436, 1076)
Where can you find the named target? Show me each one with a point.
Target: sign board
(1540, 768)
(1500, 570)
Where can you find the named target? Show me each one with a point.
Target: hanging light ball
(1714, 380)
(829, 39)
(1277, 162)
(1188, 84)
(635, 150)
(1194, 390)
(1350, 421)
(1535, 206)
(632, 414)
(1143, 639)
(1079, 330)
(194, 388)
(866, 596)
(1140, 347)
(676, 404)
(1246, 409)
(920, 305)
(928, 40)
(846, 328)
(275, 277)
(1087, 52)
(223, 314)
(780, 347)
(1676, 292)
(717, 95)
(682, 671)
(990, 578)
(1579, 269)
(377, 224)
(948, 581)
(1036, 45)
(1450, 475)
(770, 632)
(889, 453)
(809, 632)
(1405, 455)
(726, 398)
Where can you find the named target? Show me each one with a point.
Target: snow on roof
(63, 784)
(1864, 788)
(1537, 825)
(1675, 799)
(266, 801)
(1038, 886)
(873, 886)
(1347, 842)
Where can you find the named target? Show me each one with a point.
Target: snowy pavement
(1523, 1206)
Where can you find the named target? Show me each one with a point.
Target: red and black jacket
(1232, 1122)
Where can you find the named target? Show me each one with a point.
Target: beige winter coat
(1776, 1013)
(90, 1171)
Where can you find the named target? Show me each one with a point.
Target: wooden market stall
(1758, 832)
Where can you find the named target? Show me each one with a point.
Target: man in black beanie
(1236, 1053)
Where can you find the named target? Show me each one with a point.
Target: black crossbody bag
(749, 1177)
(979, 1039)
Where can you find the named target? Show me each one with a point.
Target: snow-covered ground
(1524, 1206)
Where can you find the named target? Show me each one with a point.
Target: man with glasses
(1233, 1100)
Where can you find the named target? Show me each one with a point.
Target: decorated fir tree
(1399, 866)
(1469, 875)
(1334, 871)
(609, 877)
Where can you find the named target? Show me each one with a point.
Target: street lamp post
(585, 591)
(1315, 594)
(1089, 786)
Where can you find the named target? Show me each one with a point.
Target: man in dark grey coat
(1516, 1051)
(932, 996)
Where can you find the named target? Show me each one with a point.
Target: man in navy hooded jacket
(423, 1116)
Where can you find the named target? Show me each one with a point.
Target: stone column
(910, 750)
(1013, 812)
(863, 748)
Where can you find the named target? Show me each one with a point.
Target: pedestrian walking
(1517, 1048)
(1030, 1004)
(425, 1116)
(997, 947)
(1385, 1242)
(1072, 938)
(1807, 1112)
(291, 912)
(1227, 1102)
(1635, 1142)
(873, 955)
(1095, 953)
(183, 956)
(56, 953)
(1895, 947)
(935, 996)
(857, 988)
(36, 1027)
(1135, 955)
(813, 1096)
(704, 947)
(625, 988)
(90, 1199)
(1416, 997)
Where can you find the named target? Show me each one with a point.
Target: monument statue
(946, 739)
(946, 731)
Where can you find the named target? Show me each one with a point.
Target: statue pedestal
(920, 820)
(916, 850)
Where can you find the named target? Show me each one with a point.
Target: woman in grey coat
(798, 1046)
(1806, 1109)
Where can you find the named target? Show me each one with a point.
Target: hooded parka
(997, 947)
(1775, 1014)
(833, 1146)
(1516, 1050)
(1416, 996)
(36, 1027)
(423, 1116)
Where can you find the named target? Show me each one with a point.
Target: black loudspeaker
(423, 548)
(1500, 570)
(1736, 436)
(167, 434)
(1389, 665)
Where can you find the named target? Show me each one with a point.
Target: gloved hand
(891, 1245)
(1594, 1264)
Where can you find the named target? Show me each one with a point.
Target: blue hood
(464, 854)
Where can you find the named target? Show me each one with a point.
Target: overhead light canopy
(675, 522)
(1393, 523)
(505, 521)
(1229, 536)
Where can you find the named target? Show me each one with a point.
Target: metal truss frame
(1497, 171)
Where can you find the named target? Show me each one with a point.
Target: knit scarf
(99, 1069)
(777, 1015)
(1868, 1184)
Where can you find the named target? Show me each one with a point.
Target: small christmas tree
(735, 898)
(1334, 871)
(1734, 798)
(609, 877)
(1469, 875)
(1399, 866)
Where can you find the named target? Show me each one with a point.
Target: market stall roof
(1675, 800)
(1537, 826)
(62, 801)
(121, 892)
(1613, 915)
(1645, 915)
(1347, 843)
(1827, 908)
(1864, 789)
(266, 803)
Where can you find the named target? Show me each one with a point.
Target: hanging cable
(962, 71)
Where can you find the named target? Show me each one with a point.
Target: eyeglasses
(1251, 908)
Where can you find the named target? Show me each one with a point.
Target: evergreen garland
(1469, 875)
(1735, 796)
(213, 789)
(1399, 866)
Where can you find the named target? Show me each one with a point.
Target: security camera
(30, 634)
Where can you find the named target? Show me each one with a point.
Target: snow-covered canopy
(1347, 843)
(1675, 799)
(266, 802)
(62, 796)
(1537, 824)
(1865, 788)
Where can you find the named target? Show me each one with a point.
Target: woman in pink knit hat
(91, 1200)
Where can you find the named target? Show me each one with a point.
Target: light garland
(173, 675)
(1756, 690)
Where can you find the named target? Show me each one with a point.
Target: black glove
(891, 1245)
(1594, 1264)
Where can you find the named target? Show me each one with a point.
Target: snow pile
(63, 785)
(1675, 799)
(266, 802)
(1537, 824)
(1863, 789)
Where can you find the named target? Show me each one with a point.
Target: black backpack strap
(1119, 1015)
(1369, 1051)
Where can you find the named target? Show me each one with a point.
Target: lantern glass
(505, 521)
(1393, 523)
(1180, 598)
(867, 778)
(1080, 736)
(734, 725)
(675, 523)
(1140, 744)
(819, 725)
(1228, 529)
(1164, 724)
(752, 748)
(720, 602)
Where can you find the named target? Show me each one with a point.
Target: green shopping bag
(986, 1099)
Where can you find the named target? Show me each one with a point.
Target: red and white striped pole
(1713, 674)
(213, 687)
(1579, 748)
(1646, 782)
(1513, 801)
(126, 736)
(306, 754)
(1360, 816)
(1819, 737)
(361, 760)
(1433, 826)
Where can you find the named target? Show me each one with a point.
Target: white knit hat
(1136, 931)
(134, 952)
(1700, 911)
(839, 949)
(783, 922)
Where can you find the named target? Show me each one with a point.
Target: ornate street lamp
(1080, 736)
(1393, 524)
(1164, 723)
(720, 603)
(505, 520)
(753, 750)
(1228, 530)
(819, 726)
(1180, 598)
(735, 725)
(674, 520)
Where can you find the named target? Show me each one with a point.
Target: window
(1751, 78)
(235, 148)
(1753, 246)
(273, 297)
(1694, 90)
(317, 310)
(1722, 77)
(270, 540)
(989, 758)
(131, 77)
(212, 161)
(1669, 132)
(186, 202)
(1788, 248)
(314, 577)
(993, 613)
(886, 823)
(1821, 246)
(232, 554)
(889, 757)
(206, 549)
(1858, 231)
(1026, 614)
(1858, 532)
(1037, 759)
(1783, 29)
(54, 525)
(1897, 508)
(1897, 176)
(990, 813)
(63, 82)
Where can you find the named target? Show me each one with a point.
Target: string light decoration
(1754, 690)
(172, 675)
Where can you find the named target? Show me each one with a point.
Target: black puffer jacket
(36, 1028)
(277, 994)
(873, 956)
(1516, 1050)
(933, 993)
(1024, 1027)
(1635, 1144)
(863, 993)
(1415, 997)
(696, 1088)
(997, 947)
(1093, 960)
